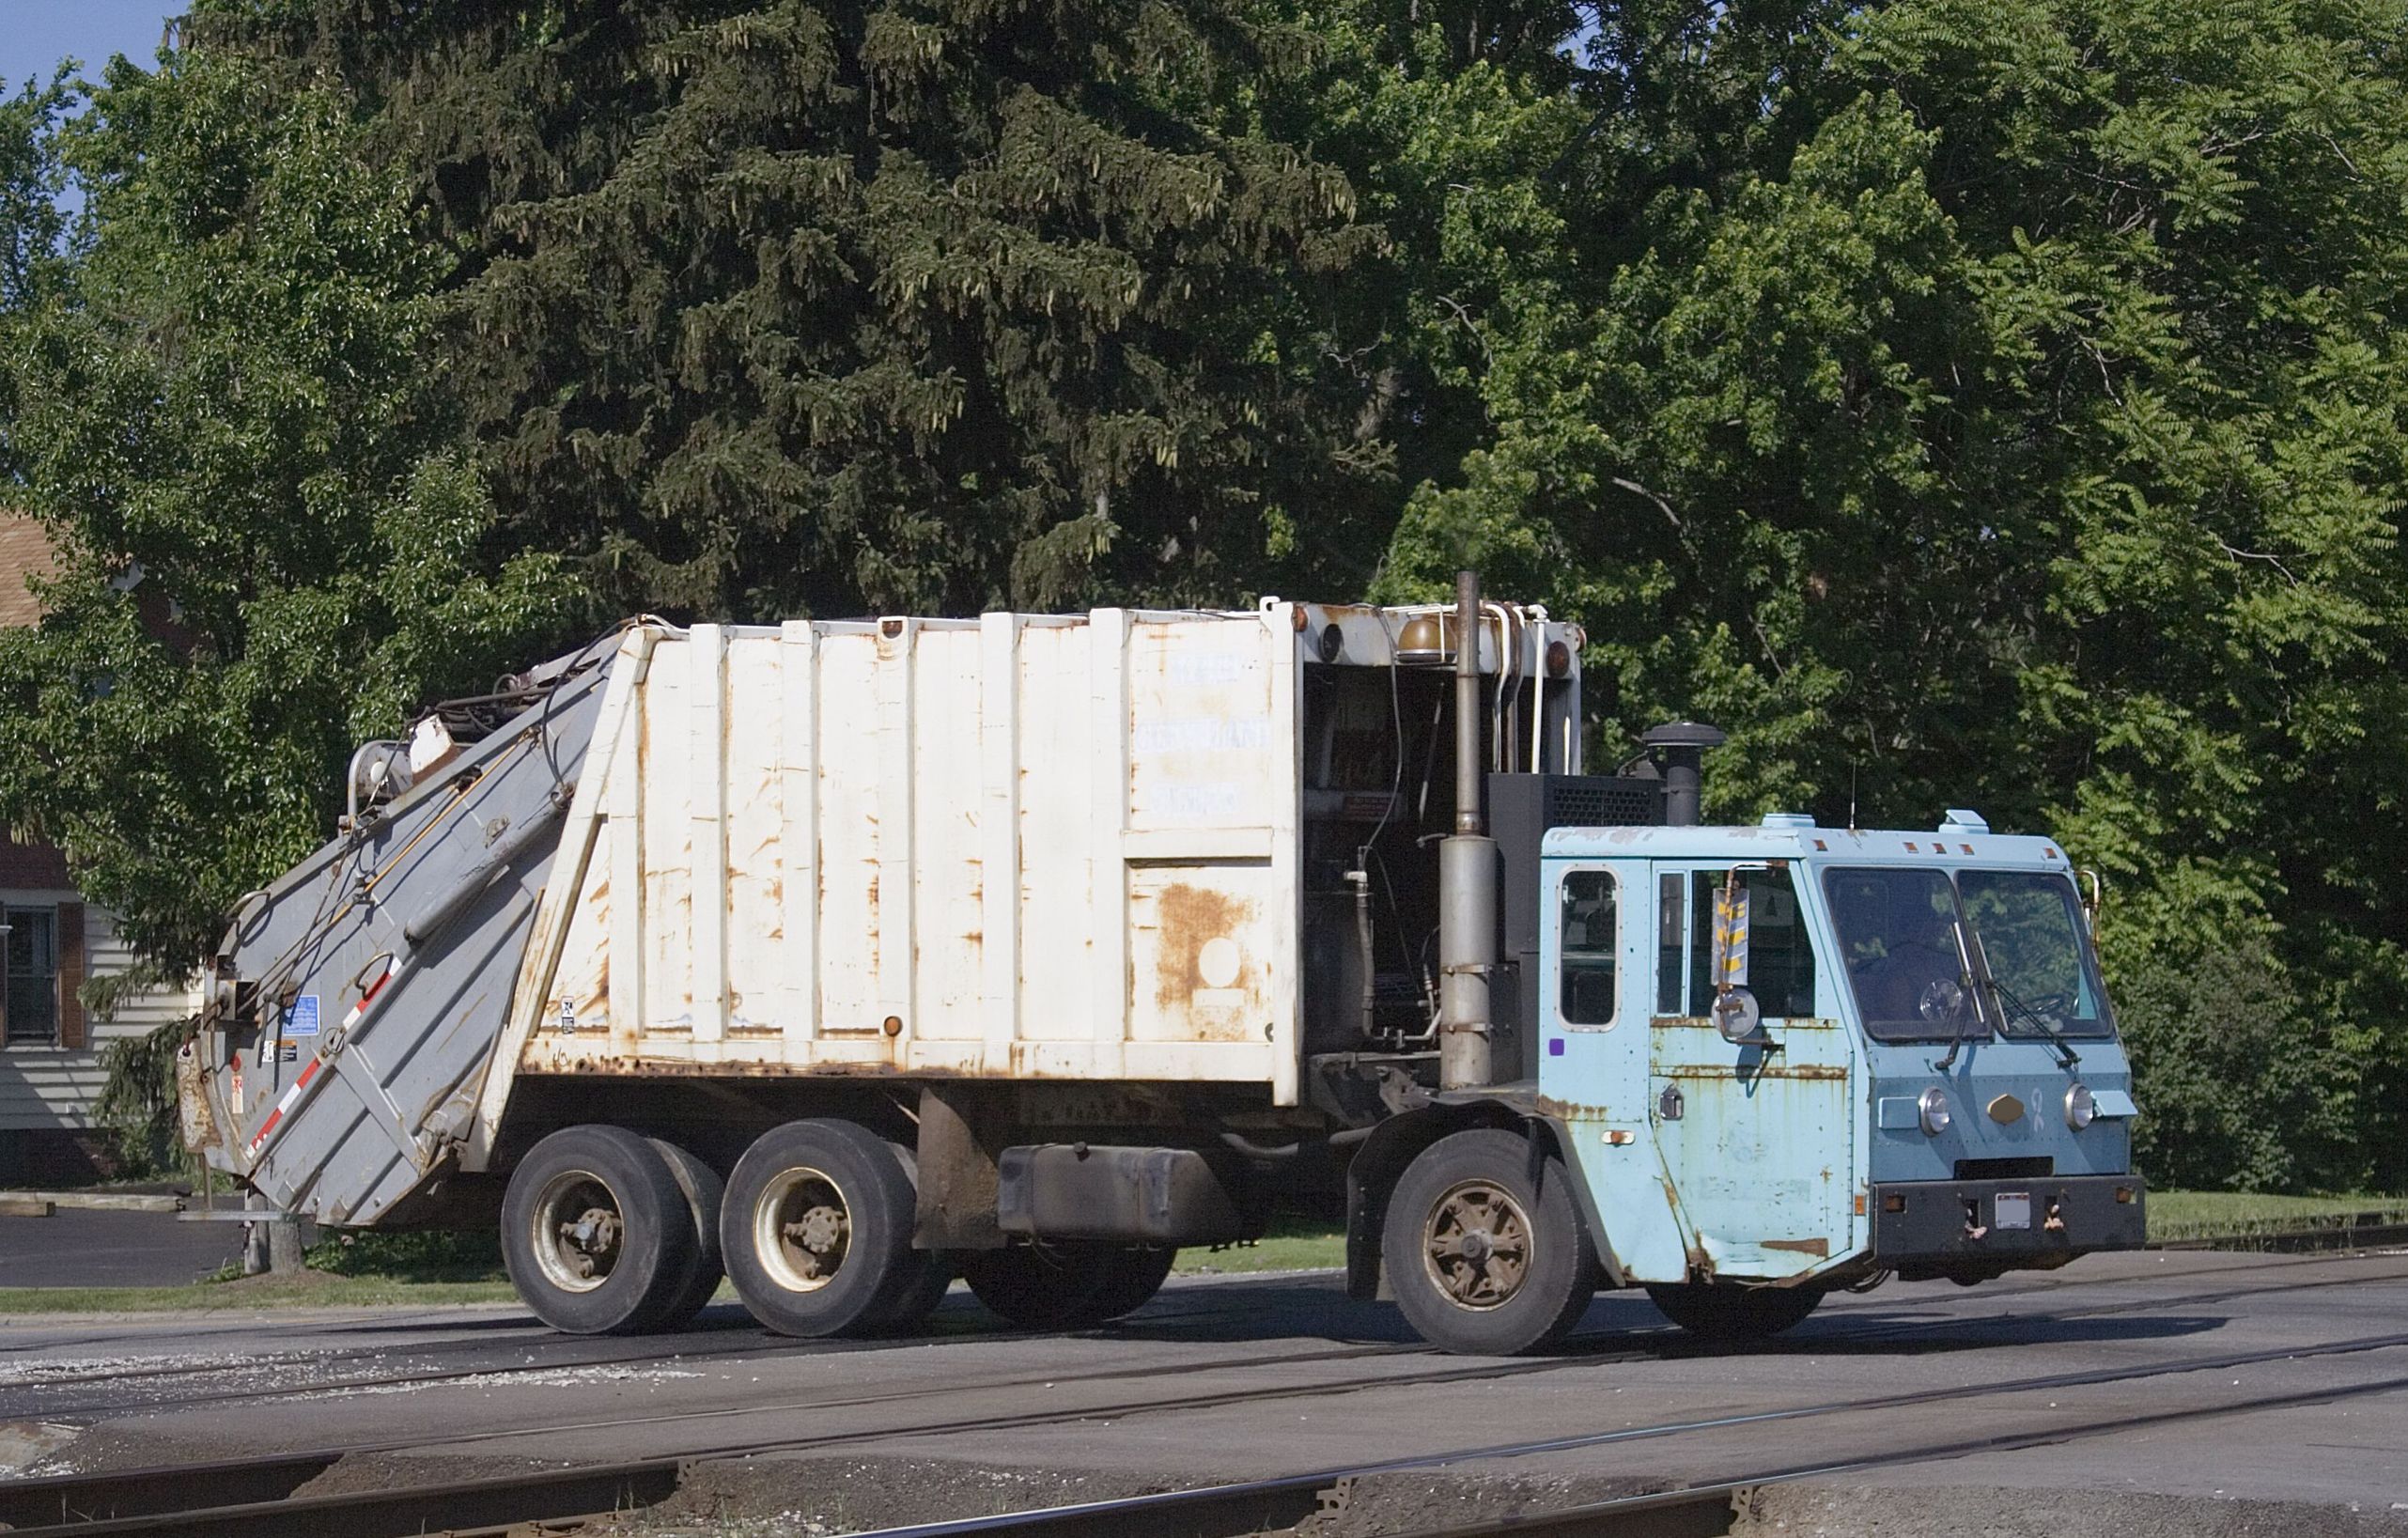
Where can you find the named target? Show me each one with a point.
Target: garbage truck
(844, 959)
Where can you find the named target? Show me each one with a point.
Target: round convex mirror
(1736, 1015)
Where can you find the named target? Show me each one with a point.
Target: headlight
(1933, 1108)
(2081, 1107)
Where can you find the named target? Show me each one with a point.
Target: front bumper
(1967, 1221)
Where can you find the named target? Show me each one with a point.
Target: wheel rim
(1476, 1245)
(802, 1229)
(578, 1231)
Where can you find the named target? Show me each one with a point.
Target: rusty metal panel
(759, 992)
(1057, 784)
(707, 765)
(1023, 845)
(1760, 1154)
(797, 853)
(663, 776)
(948, 874)
(852, 885)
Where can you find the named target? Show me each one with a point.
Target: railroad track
(1267, 1506)
(159, 1500)
(26, 1397)
(254, 1497)
(25, 1392)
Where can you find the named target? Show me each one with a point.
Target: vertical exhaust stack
(1679, 751)
(1466, 875)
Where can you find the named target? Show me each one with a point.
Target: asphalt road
(2154, 1388)
(78, 1247)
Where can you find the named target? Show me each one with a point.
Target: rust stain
(1820, 1249)
(1191, 918)
(1569, 1111)
(1814, 1072)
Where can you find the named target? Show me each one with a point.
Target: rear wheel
(815, 1229)
(703, 1189)
(1068, 1284)
(1723, 1310)
(1484, 1247)
(931, 1276)
(596, 1234)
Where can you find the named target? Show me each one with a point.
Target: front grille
(2039, 1168)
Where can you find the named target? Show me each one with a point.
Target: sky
(36, 34)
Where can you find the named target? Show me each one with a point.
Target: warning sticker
(302, 1019)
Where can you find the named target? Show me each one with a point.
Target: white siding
(45, 1087)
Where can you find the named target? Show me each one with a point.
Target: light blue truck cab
(1797, 1057)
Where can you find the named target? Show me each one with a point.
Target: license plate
(2011, 1209)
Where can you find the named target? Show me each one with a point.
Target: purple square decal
(1555, 1046)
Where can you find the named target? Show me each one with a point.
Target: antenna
(1852, 795)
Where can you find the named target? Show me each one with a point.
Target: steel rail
(540, 1495)
(1228, 1511)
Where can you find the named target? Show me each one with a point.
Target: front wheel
(1723, 1310)
(1484, 1247)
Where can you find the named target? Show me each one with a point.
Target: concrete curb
(94, 1201)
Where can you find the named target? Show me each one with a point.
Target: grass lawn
(2199, 1215)
(1290, 1246)
(419, 1278)
(312, 1291)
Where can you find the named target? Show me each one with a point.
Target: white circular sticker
(1218, 962)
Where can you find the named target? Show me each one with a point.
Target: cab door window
(1780, 955)
(1587, 935)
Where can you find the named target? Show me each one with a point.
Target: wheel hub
(821, 1232)
(1476, 1242)
(578, 1231)
(802, 1230)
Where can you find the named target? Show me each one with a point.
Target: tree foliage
(272, 545)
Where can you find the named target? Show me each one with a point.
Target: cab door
(1756, 1134)
(1594, 957)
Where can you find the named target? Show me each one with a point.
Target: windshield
(2032, 931)
(1898, 941)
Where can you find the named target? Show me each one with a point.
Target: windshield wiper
(1973, 987)
(2066, 1056)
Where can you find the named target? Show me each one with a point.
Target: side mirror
(1737, 1016)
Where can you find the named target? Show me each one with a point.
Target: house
(50, 1070)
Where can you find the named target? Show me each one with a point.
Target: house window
(31, 957)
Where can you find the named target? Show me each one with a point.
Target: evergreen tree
(774, 308)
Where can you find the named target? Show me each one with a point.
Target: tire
(932, 1278)
(597, 1237)
(1484, 1247)
(1066, 1283)
(703, 1189)
(815, 1229)
(1729, 1312)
